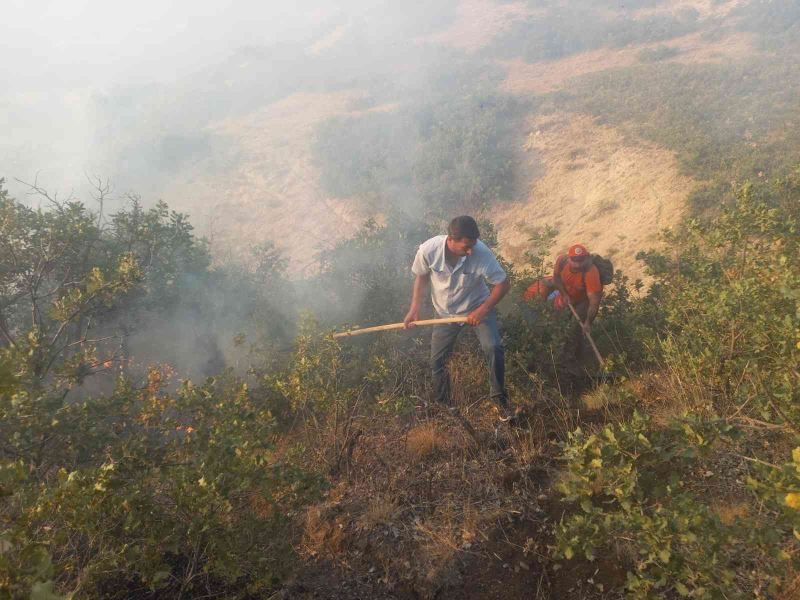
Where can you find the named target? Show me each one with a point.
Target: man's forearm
(420, 286)
(563, 291)
(498, 291)
(594, 306)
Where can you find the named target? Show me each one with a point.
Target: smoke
(82, 76)
(148, 93)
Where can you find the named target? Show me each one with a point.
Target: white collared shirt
(458, 290)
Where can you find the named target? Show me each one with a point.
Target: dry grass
(705, 8)
(528, 447)
(422, 441)
(424, 501)
(268, 185)
(661, 395)
(790, 588)
(729, 512)
(323, 536)
(260, 505)
(605, 206)
(679, 392)
(602, 397)
(328, 41)
(422, 497)
(380, 510)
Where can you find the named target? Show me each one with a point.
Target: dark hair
(463, 227)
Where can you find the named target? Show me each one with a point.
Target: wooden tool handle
(400, 326)
(588, 335)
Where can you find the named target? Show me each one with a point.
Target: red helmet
(577, 251)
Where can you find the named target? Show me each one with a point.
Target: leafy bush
(724, 328)
(190, 472)
(367, 278)
(449, 150)
(535, 333)
(731, 291)
(190, 476)
(633, 490)
(779, 485)
(365, 157)
(465, 159)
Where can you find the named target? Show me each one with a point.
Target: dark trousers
(575, 346)
(443, 340)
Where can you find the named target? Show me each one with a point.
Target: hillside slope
(548, 76)
(589, 181)
(270, 190)
(598, 188)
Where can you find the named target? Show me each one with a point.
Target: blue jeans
(443, 340)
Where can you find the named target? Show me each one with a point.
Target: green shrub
(635, 495)
(776, 21)
(138, 488)
(366, 157)
(731, 301)
(779, 486)
(176, 492)
(722, 321)
(450, 149)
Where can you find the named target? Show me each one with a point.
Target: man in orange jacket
(541, 288)
(578, 280)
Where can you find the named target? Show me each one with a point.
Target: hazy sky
(100, 42)
(56, 54)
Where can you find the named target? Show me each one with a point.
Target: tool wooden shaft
(588, 335)
(400, 326)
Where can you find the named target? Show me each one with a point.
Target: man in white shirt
(458, 266)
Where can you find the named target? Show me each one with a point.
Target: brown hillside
(598, 188)
(548, 76)
(268, 188)
(270, 192)
(705, 8)
(479, 21)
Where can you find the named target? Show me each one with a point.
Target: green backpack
(605, 267)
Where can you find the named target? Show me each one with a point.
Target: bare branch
(34, 189)
(6, 333)
(101, 191)
(93, 341)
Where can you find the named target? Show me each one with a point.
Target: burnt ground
(437, 507)
(513, 563)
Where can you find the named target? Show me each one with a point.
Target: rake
(588, 337)
(400, 326)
